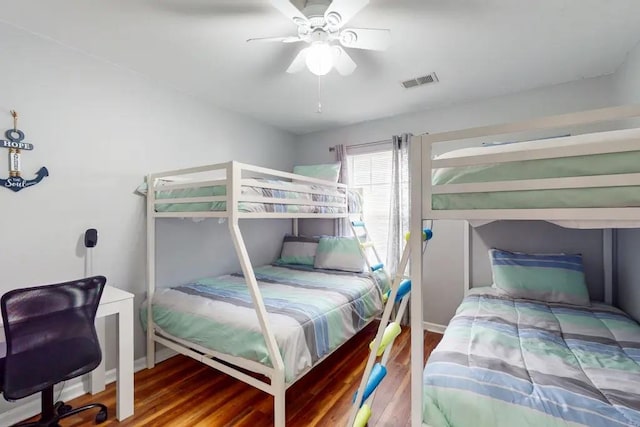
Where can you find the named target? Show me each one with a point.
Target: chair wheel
(101, 417)
(62, 408)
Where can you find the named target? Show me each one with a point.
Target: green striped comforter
(505, 362)
(295, 191)
(311, 312)
(588, 165)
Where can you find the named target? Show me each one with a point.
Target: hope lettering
(18, 145)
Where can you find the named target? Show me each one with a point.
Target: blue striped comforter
(311, 312)
(505, 362)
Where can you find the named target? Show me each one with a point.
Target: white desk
(118, 302)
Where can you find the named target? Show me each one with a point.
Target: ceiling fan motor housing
(318, 35)
(316, 10)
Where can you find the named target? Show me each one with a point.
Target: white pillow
(339, 253)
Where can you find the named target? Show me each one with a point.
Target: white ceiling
(479, 48)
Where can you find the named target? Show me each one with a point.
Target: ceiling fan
(320, 25)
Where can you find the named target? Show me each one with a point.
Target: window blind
(372, 173)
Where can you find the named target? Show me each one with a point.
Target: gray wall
(443, 272)
(99, 129)
(443, 281)
(627, 79)
(627, 85)
(205, 249)
(568, 97)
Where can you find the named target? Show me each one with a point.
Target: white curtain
(399, 208)
(342, 225)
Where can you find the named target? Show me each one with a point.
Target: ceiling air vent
(419, 81)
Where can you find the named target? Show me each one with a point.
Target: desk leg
(124, 385)
(97, 377)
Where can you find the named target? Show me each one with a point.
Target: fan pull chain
(319, 110)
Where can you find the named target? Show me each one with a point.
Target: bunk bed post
(151, 268)
(417, 335)
(608, 259)
(278, 387)
(279, 396)
(467, 248)
(295, 226)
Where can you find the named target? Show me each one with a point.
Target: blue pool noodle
(403, 289)
(377, 374)
(377, 267)
(427, 233)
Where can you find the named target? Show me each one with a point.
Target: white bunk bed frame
(235, 177)
(422, 166)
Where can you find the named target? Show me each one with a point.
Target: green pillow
(327, 172)
(339, 253)
(542, 277)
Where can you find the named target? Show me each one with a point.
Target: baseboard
(433, 327)
(72, 389)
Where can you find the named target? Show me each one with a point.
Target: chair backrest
(50, 334)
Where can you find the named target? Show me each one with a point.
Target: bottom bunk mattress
(505, 362)
(312, 312)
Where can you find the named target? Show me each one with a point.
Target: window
(372, 173)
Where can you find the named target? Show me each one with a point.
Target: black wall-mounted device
(91, 238)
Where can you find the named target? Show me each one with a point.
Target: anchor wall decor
(15, 145)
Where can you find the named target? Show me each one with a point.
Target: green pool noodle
(364, 413)
(391, 331)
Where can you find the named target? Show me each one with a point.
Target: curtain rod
(365, 144)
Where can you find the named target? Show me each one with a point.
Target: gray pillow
(298, 250)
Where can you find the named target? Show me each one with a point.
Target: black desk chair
(51, 337)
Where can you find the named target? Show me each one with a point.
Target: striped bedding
(506, 362)
(295, 191)
(561, 167)
(312, 312)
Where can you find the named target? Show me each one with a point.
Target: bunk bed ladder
(382, 344)
(367, 248)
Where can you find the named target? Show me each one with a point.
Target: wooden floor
(183, 392)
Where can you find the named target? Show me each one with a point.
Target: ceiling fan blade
(299, 62)
(292, 40)
(366, 38)
(340, 12)
(276, 39)
(342, 62)
(290, 11)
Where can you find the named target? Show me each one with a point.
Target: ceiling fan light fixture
(319, 58)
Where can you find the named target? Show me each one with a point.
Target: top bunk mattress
(292, 190)
(589, 165)
(311, 313)
(506, 362)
